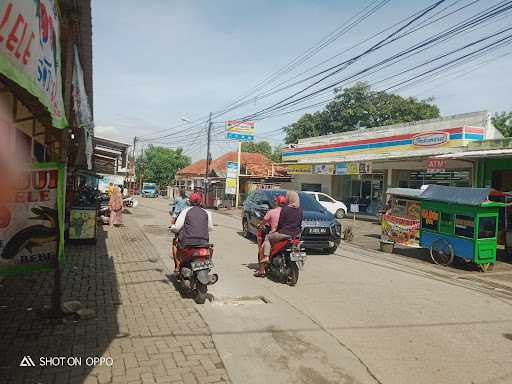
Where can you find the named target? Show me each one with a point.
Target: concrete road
(354, 317)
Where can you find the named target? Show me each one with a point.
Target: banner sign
(82, 109)
(32, 221)
(82, 224)
(436, 165)
(299, 169)
(232, 170)
(323, 169)
(230, 187)
(400, 230)
(357, 168)
(30, 51)
(240, 130)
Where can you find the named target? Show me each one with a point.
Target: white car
(337, 208)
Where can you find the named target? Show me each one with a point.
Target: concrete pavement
(354, 317)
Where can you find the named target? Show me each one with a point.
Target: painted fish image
(35, 235)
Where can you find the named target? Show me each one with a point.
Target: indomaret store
(357, 167)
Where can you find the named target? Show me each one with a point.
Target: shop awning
(476, 154)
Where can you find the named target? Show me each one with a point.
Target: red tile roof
(255, 164)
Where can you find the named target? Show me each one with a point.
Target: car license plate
(317, 231)
(200, 265)
(296, 256)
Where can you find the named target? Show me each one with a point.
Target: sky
(160, 62)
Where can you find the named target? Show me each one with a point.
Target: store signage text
(430, 139)
(30, 51)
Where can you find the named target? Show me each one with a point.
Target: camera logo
(27, 362)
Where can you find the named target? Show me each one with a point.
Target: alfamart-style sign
(30, 51)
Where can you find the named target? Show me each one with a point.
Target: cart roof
(460, 195)
(406, 192)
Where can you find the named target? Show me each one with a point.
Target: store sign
(82, 109)
(436, 165)
(323, 169)
(356, 168)
(300, 169)
(240, 130)
(30, 51)
(230, 187)
(32, 221)
(232, 170)
(430, 139)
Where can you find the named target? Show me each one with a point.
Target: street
(354, 317)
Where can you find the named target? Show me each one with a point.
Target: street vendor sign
(30, 51)
(32, 220)
(400, 230)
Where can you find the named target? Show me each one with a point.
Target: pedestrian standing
(116, 207)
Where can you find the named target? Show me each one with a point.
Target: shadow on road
(89, 276)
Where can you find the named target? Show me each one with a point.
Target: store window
(459, 178)
(464, 226)
(487, 227)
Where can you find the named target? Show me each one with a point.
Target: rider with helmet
(192, 226)
(272, 218)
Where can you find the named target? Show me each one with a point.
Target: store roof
(476, 154)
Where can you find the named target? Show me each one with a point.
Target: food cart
(400, 222)
(453, 222)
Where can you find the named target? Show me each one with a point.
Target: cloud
(107, 131)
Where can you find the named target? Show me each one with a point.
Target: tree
(161, 164)
(360, 106)
(264, 148)
(503, 122)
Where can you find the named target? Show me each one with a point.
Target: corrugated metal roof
(408, 192)
(456, 195)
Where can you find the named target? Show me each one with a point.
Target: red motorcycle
(194, 270)
(287, 258)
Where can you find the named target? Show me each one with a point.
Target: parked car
(337, 208)
(149, 190)
(320, 229)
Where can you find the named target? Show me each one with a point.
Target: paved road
(354, 317)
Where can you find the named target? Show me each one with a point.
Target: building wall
(502, 167)
(297, 182)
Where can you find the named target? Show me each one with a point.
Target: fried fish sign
(31, 220)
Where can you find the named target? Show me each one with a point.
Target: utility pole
(141, 170)
(208, 158)
(132, 181)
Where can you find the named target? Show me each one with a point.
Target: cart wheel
(441, 252)
(486, 267)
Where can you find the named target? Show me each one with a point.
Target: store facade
(357, 167)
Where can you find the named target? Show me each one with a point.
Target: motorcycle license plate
(199, 265)
(296, 256)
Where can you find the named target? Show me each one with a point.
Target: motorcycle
(130, 202)
(194, 272)
(287, 258)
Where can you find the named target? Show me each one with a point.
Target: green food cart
(460, 222)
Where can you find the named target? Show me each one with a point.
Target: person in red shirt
(271, 218)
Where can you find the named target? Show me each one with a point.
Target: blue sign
(341, 168)
(240, 136)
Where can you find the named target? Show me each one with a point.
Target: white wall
(298, 180)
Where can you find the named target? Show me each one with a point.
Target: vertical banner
(30, 51)
(81, 107)
(240, 130)
(32, 221)
(231, 176)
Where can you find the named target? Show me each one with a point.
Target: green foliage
(503, 122)
(360, 106)
(161, 164)
(264, 148)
